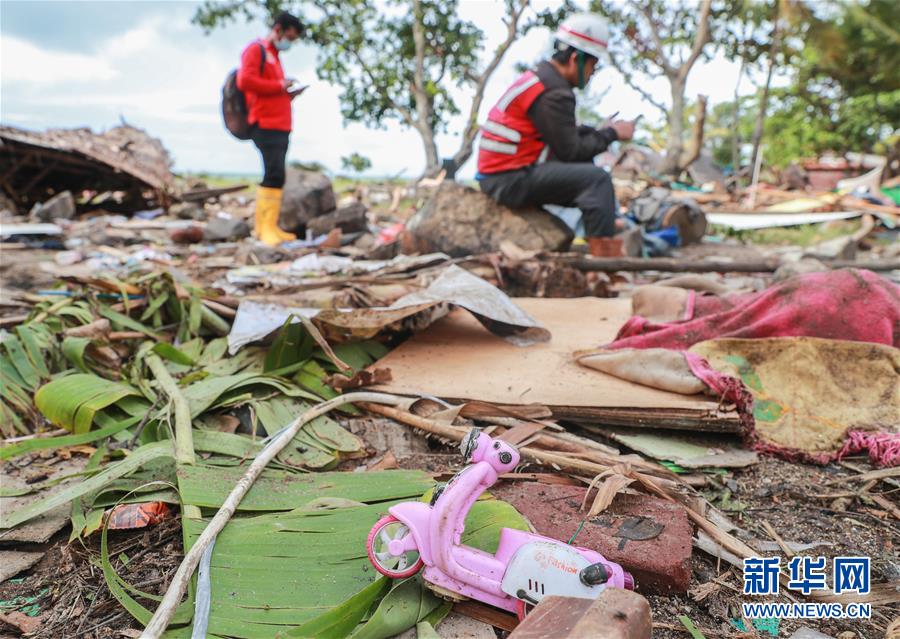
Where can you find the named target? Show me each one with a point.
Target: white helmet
(586, 32)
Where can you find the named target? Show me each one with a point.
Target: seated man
(532, 152)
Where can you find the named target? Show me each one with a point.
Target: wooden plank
(615, 614)
(457, 358)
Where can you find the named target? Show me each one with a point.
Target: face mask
(283, 45)
(582, 81)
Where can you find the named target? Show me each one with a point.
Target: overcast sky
(92, 63)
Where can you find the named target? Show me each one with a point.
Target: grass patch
(802, 235)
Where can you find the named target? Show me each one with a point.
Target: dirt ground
(801, 502)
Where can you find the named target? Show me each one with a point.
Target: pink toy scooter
(526, 567)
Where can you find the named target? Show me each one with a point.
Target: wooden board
(457, 358)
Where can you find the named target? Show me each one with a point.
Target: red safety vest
(509, 139)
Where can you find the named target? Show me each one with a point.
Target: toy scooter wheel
(522, 609)
(386, 530)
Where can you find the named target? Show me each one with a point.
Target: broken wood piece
(615, 614)
(487, 614)
(456, 359)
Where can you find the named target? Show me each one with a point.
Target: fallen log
(688, 265)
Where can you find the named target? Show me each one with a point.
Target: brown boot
(605, 246)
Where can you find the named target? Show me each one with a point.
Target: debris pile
(179, 398)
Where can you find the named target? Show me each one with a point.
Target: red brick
(660, 565)
(615, 614)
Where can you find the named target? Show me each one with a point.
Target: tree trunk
(689, 157)
(432, 161)
(675, 145)
(764, 97)
(736, 126)
(423, 100)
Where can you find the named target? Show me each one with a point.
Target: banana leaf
(208, 486)
(213, 391)
(30, 445)
(73, 401)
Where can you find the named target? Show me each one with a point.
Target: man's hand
(287, 82)
(624, 129)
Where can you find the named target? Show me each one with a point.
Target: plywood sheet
(456, 358)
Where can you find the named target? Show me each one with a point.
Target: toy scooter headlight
(469, 443)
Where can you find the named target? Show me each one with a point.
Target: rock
(350, 219)
(306, 195)
(615, 614)
(59, 207)
(186, 234)
(187, 211)
(457, 626)
(460, 221)
(839, 248)
(224, 229)
(649, 537)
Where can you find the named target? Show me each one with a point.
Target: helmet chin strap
(579, 61)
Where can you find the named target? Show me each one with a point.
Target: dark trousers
(273, 146)
(578, 184)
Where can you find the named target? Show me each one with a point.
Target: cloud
(22, 62)
(158, 71)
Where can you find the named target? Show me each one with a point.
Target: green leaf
(292, 344)
(173, 354)
(30, 445)
(424, 630)
(340, 621)
(155, 304)
(73, 401)
(123, 321)
(208, 486)
(402, 608)
(113, 471)
(195, 315)
(19, 359)
(73, 348)
(34, 345)
(79, 521)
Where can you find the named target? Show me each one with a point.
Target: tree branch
(689, 157)
(661, 57)
(700, 40)
(515, 11)
(644, 94)
(405, 113)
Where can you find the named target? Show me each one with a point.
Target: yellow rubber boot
(268, 206)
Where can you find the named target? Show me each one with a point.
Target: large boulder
(460, 221)
(307, 194)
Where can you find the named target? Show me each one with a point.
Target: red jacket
(268, 104)
(509, 139)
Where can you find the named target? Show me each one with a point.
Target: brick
(660, 564)
(615, 614)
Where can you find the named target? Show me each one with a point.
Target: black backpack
(234, 102)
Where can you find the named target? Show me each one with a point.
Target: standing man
(269, 94)
(532, 152)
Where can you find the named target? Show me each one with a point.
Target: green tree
(397, 60)
(653, 38)
(356, 163)
(845, 87)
